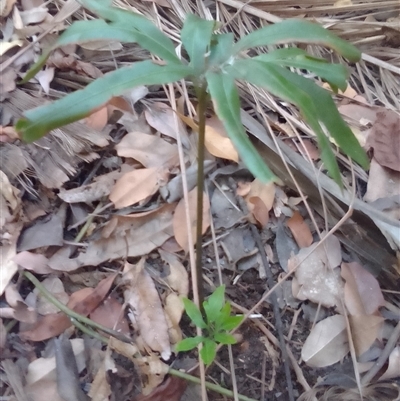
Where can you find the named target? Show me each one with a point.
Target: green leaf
(225, 311)
(231, 322)
(37, 122)
(194, 313)
(224, 338)
(208, 351)
(189, 343)
(226, 101)
(146, 33)
(335, 74)
(81, 32)
(298, 31)
(196, 36)
(270, 77)
(214, 304)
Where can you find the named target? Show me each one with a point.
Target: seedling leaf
(37, 122)
(227, 107)
(298, 31)
(231, 322)
(208, 351)
(225, 338)
(189, 343)
(214, 304)
(194, 313)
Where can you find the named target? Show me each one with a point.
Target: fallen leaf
(22, 312)
(97, 119)
(162, 118)
(362, 292)
(364, 331)
(178, 278)
(143, 298)
(56, 288)
(317, 277)
(149, 150)
(32, 261)
(217, 141)
(3, 335)
(45, 77)
(100, 389)
(300, 230)
(152, 371)
(393, 369)
(327, 342)
(384, 139)
(6, 7)
(171, 389)
(136, 186)
(179, 222)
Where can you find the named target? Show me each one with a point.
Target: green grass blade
(298, 31)
(270, 77)
(335, 74)
(226, 101)
(37, 122)
(146, 33)
(196, 36)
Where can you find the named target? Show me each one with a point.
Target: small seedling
(218, 321)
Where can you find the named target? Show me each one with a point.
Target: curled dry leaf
(179, 222)
(327, 342)
(317, 277)
(393, 369)
(178, 278)
(149, 150)
(136, 186)
(143, 298)
(21, 311)
(300, 230)
(362, 293)
(152, 369)
(171, 389)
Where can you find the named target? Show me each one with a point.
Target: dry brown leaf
(364, 330)
(317, 277)
(110, 313)
(362, 293)
(300, 230)
(136, 186)
(6, 7)
(22, 312)
(384, 139)
(128, 237)
(217, 141)
(149, 150)
(45, 77)
(152, 370)
(143, 298)
(56, 288)
(97, 119)
(327, 342)
(171, 389)
(178, 278)
(179, 222)
(47, 327)
(100, 389)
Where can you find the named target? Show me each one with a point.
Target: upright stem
(201, 113)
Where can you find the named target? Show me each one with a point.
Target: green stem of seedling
(201, 113)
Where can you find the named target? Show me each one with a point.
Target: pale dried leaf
(162, 118)
(300, 230)
(327, 342)
(173, 311)
(143, 298)
(364, 331)
(34, 15)
(153, 369)
(317, 275)
(179, 222)
(171, 389)
(56, 288)
(98, 119)
(32, 261)
(100, 389)
(362, 293)
(393, 369)
(22, 312)
(136, 186)
(149, 150)
(45, 77)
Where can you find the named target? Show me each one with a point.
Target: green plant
(216, 324)
(214, 62)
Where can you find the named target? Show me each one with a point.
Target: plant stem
(201, 113)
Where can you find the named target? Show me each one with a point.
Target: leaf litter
(138, 224)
